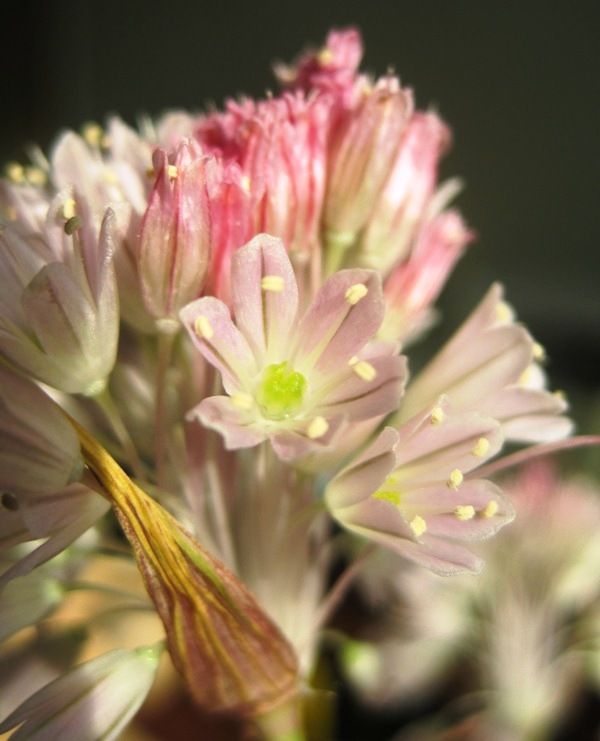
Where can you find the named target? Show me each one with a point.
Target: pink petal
(361, 478)
(219, 413)
(358, 399)
(221, 343)
(266, 317)
(333, 329)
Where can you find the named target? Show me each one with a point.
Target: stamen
(526, 376)
(455, 479)
(14, 171)
(67, 209)
(273, 283)
(203, 327)
(241, 400)
(418, 525)
(464, 512)
(325, 57)
(559, 394)
(317, 428)
(72, 225)
(481, 447)
(110, 176)
(355, 293)
(539, 353)
(490, 509)
(393, 497)
(9, 501)
(172, 172)
(437, 416)
(504, 312)
(245, 182)
(364, 370)
(92, 133)
(36, 176)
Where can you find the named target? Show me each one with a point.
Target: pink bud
(175, 237)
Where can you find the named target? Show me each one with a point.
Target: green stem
(282, 723)
(107, 406)
(336, 246)
(165, 350)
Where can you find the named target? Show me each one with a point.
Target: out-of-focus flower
(59, 311)
(95, 700)
(408, 490)
(288, 380)
(490, 365)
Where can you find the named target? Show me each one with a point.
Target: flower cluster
(215, 306)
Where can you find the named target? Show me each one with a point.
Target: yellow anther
(15, 172)
(92, 133)
(539, 353)
(437, 416)
(273, 283)
(504, 312)
(245, 182)
(203, 328)
(364, 370)
(387, 495)
(455, 479)
(36, 176)
(317, 428)
(418, 525)
(325, 57)
(110, 176)
(526, 376)
(353, 360)
(68, 209)
(481, 447)
(355, 293)
(241, 400)
(172, 172)
(559, 394)
(490, 509)
(464, 512)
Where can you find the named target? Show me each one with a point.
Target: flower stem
(282, 723)
(106, 404)
(165, 350)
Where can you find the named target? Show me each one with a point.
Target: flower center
(281, 391)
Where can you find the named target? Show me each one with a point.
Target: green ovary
(281, 391)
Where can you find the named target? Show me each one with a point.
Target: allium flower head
(290, 379)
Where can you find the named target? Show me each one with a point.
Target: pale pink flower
(175, 239)
(293, 380)
(408, 490)
(490, 365)
(95, 700)
(59, 311)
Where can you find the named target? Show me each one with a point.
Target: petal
(335, 327)
(363, 477)
(265, 296)
(220, 414)
(212, 331)
(358, 399)
(429, 450)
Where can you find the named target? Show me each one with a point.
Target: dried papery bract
(231, 655)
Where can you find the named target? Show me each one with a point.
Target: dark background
(518, 83)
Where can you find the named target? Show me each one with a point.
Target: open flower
(408, 490)
(293, 381)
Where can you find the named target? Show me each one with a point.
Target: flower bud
(231, 655)
(175, 238)
(363, 153)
